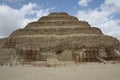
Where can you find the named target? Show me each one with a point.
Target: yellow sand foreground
(80, 72)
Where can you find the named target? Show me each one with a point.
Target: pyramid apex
(58, 14)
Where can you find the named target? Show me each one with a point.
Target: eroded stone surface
(63, 37)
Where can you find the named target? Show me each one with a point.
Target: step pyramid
(64, 37)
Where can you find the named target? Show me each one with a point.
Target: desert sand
(87, 71)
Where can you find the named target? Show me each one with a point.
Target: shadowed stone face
(61, 36)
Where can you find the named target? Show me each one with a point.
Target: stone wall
(58, 23)
(56, 31)
(7, 55)
(60, 36)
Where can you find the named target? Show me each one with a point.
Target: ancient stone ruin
(59, 36)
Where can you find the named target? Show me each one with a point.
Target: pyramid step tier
(57, 31)
(58, 18)
(68, 41)
(44, 23)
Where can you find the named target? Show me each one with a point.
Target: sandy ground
(80, 72)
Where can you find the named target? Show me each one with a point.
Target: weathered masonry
(63, 37)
